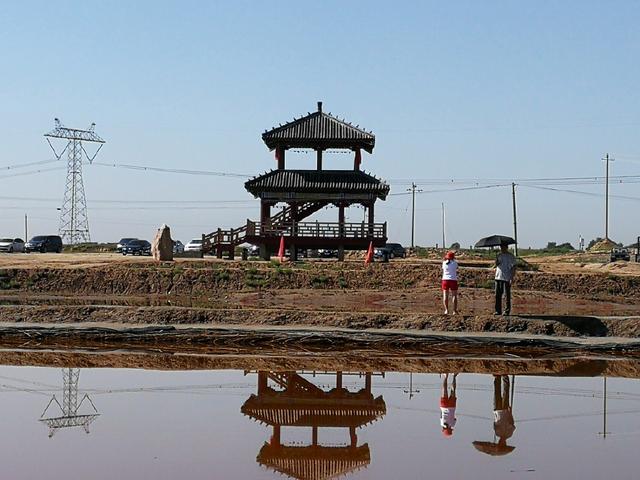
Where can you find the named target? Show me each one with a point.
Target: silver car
(11, 245)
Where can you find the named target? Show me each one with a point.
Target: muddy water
(263, 425)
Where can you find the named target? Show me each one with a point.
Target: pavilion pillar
(319, 159)
(280, 157)
(341, 232)
(262, 382)
(367, 382)
(371, 218)
(293, 248)
(314, 435)
(275, 438)
(265, 224)
(357, 160)
(339, 380)
(353, 437)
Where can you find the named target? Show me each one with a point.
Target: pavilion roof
(287, 411)
(319, 130)
(314, 462)
(318, 182)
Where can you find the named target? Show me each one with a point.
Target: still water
(132, 424)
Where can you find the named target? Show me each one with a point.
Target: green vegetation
(254, 279)
(319, 281)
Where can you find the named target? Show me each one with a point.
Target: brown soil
(111, 289)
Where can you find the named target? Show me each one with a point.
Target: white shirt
(505, 266)
(449, 270)
(448, 417)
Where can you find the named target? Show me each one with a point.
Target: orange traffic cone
(369, 258)
(281, 249)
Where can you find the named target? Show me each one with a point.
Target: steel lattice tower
(74, 222)
(70, 406)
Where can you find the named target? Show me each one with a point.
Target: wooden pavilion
(293, 401)
(305, 192)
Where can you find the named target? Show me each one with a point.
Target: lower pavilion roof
(318, 182)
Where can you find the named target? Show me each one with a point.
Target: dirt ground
(571, 295)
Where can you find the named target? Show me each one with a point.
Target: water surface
(265, 425)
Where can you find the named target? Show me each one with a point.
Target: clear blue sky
(452, 90)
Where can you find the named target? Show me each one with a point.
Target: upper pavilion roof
(314, 462)
(319, 130)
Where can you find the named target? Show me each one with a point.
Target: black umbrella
(493, 449)
(494, 241)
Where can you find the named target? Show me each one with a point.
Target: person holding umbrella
(505, 273)
(505, 269)
(503, 422)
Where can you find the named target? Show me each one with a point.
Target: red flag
(281, 249)
(369, 258)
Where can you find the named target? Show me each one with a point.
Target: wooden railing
(319, 229)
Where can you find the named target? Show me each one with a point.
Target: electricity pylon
(74, 222)
(70, 406)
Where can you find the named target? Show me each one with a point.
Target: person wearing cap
(448, 406)
(450, 282)
(505, 273)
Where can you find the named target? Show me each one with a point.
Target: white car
(11, 245)
(194, 245)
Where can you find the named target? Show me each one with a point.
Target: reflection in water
(70, 406)
(503, 421)
(448, 400)
(289, 400)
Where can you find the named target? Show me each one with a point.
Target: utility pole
(74, 223)
(515, 218)
(606, 159)
(444, 243)
(413, 191)
(26, 230)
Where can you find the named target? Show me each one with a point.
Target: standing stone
(162, 246)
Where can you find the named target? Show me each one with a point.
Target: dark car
(122, 243)
(44, 243)
(137, 247)
(393, 250)
(620, 254)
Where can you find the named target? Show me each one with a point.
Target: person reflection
(448, 405)
(503, 422)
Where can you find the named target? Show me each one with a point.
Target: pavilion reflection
(287, 399)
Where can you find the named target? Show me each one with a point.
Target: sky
(455, 91)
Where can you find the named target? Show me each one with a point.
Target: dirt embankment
(561, 326)
(206, 278)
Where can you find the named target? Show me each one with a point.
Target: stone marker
(162, 245)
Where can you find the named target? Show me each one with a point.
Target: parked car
(620, 254)
(122, 243)
(393, 250)
(137, 247)
(11, 245)
(251, 250)
(194, 245)
(178, 246)
(44, 243)
(327, 253)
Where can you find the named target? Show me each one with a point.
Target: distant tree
(455, 246)
(551, 246)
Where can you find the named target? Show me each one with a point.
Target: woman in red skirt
(450, 282)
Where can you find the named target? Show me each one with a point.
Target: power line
(172, 170)
(580, 192)
(32, 172)
(30, 164)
